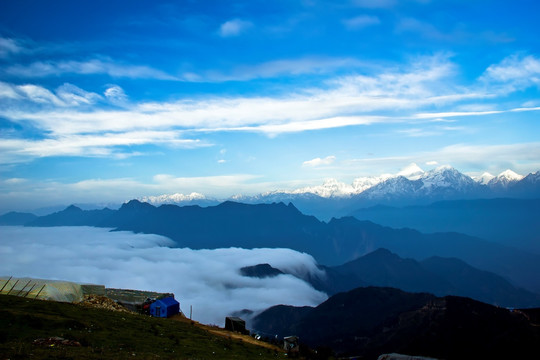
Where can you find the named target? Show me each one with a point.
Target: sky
(105, 101)
(209, 281)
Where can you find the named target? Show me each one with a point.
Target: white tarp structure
(41, 289)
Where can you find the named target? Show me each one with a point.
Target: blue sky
(104, 101)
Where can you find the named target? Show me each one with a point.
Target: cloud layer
(208, 280)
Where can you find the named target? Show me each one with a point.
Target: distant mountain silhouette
(435, 275)
(73, 216)
(233, 224)
(512, 222)
(16, 218)
(367, 322)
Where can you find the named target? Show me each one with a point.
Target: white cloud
(283, 67)
(91, 145)
(72, 95)
(9, 46)
(234, 27)
(514, 73)
(39, 94)
(116, 95)
(8, 91)
(208, 280)
(400, 93)
(319, 162)
(90, 67)
(360, 22)
(432, 163)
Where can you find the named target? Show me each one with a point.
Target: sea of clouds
(208, 280)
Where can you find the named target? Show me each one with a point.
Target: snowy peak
(173, 198)
(484, 179)
(445, 177)
(505, 179)
(330, 188)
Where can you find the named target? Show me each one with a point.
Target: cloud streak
(71, 114)
(319, 162)
(108, 67)
(208, 280)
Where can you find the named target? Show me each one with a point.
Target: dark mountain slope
(369, 321)
(383, 268)
(435, 275)
(512, 222)
(278, 225)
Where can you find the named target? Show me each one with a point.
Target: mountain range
(278, 225)
(435, 275)
(411, 186)
(512, 222)
(368, 321)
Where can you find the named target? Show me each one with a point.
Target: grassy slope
(107, 334)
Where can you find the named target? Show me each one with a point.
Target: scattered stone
(55, 341)
(102, 302)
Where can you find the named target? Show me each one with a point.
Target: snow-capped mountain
(484, 179)
(179, 199)
(410, 186)
(505, 179)
(444, 182)
(446, 177)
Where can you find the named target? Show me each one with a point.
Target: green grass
(107, 334)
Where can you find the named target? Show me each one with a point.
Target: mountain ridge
(364, 321)
(279, 225)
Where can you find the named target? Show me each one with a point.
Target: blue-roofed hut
(165, 307)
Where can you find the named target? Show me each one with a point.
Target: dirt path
(228, 334)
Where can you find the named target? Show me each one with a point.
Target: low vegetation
(37, 329)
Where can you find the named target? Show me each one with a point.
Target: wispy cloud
(9, 46)
(71, 114)
(108, 67)
(234, 27)
(360, 22)
(278, 68)
(91, 145)
(441, 115)
(319, 162)
(514, 73)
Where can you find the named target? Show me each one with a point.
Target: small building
(165, 307)
(235, 324)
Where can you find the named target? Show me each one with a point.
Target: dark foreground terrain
(370, 321)
(38, 329)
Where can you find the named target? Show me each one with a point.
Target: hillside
(366, 322)
(27, 326)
